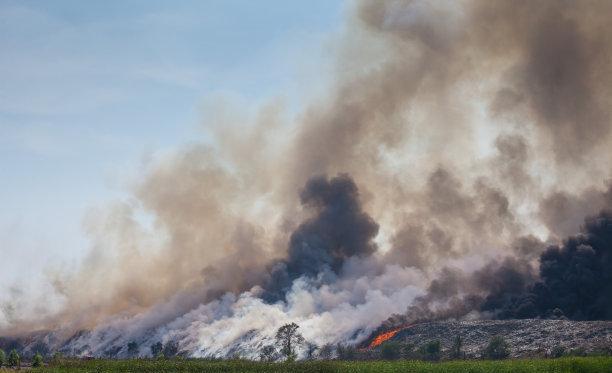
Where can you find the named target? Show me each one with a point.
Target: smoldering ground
(469, 136)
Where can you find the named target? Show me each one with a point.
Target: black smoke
(572, 280)
(338, 230)
(575, 279)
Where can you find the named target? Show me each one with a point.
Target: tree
(171, 349)
(326, 351)
(311, 348)
(2, 357)
(497, 348)
(390, 350)
(37, 360)
(289, 338)
(430, 350)
(456, 349)
(156, 349)
(14, 360)
(268, 353)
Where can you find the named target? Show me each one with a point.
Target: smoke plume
(465, 142)
(340, 230)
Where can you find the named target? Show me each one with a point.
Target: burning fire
(383, 337)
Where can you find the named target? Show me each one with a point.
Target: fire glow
(383, 337)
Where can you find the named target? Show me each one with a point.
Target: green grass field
(562, 365)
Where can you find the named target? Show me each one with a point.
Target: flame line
(383, 337)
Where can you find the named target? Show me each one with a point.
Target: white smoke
(346, 311)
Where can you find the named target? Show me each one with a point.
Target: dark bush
(497, 348)
(557, 351)
(391, 350)
(430, 351)
(170, 349)
(156, 349)
(14, 360)
(37, 360)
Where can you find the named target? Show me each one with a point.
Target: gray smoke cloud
(468, 137)
(340, 230)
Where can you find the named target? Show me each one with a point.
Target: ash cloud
(574, 279)
(478, 134)
(339, 230)
(571, 280)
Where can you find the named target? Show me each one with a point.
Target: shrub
(580, 351)
(391, 350)
(557, 351)
(430, 350)
(326, 352)
(2, 358)
(14, 360)
(497, 348)
(57, 358)
(37, 360)
(170, 349)
(156, 349)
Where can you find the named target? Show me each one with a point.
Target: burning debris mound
(383, 337)
(525, 338)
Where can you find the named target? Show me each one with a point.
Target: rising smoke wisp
(464, 141)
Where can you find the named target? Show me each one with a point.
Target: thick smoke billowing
(572, 280)
(470, 139)
(575, 279)
(339, 230)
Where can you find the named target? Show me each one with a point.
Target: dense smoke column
(575, 279)
(572, 280)
(339, 230)
(509, 287)
(577, 276)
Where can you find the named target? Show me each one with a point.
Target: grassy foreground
(562, 365)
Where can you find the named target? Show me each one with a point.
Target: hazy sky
(90, 90)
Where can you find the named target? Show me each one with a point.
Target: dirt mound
(526, 338)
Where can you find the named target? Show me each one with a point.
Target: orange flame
(383, 337)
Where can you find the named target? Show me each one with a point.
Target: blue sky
(89, 88)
